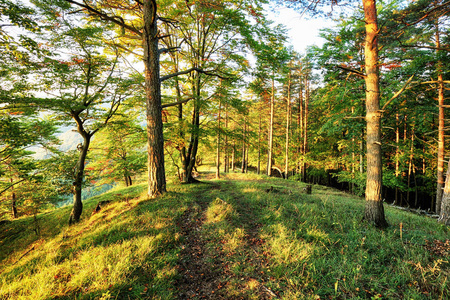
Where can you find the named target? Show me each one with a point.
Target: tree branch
(176, 103)
(116, 20)
(425, 47)
(165, 50)
(399, 92)
(210, 73)
(4, 190)
(352, 71)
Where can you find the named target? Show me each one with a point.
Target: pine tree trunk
(218, 143)
(441, 138)
(246, 156)
(233, 155)
(410, 167)
(361, 153)
(243, 149)
(444, 216)
(14, 205)
(227, 158)
(397, 156)
(288, 120)
(155, 140)
(300, 128)
(374, 210)
(270, 137)
(305, 128)
(258, 168)
(13, 200)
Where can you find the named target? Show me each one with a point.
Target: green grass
(284, 243)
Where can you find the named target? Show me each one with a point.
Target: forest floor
(241, 237)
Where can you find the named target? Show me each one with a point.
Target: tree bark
(397, 156)
(233, 155)
(411, 168)
(14, 206)
(188, 162)
(218, 142)
(13, 200)
(305, 129)
(270, 137)
(155, 139)
(300, 126)
(444, 216)
(243, 149)
(226, 158)
(258, 168)
(441, 138)
(374, 210)
(288, 120)
(247, 146)
(78, 180)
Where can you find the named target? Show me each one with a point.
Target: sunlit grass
(109, 253)
(218, 211)
(277, 240)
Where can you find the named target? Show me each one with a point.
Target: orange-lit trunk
(270, 137)
(155, 140)
(441, 141)
(218, 142)
(374, 210)
(288, 120)
(305, 128)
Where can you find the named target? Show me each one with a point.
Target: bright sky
(303, 31)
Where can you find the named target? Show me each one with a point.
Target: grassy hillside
(241, 237)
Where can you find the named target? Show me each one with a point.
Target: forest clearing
(233, 238)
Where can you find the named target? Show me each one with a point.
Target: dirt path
(204, 274)
(201, 277)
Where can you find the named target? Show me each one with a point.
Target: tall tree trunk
(233, 155)
(288, 120)
(258, 168)
(243, 149)
(352, 186)
(189, 156)
(218, 142)
(305, 128)
(181, 133)
(78, 180)
(300, 126)
(270, 137)
(397, 156)
(441, 141)
(227, 157)
(13, 201)
(374, 210)
(246, 157)
(155, 140)
(410, 167)
(361, 153)
(14, 206)
(444, 216)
